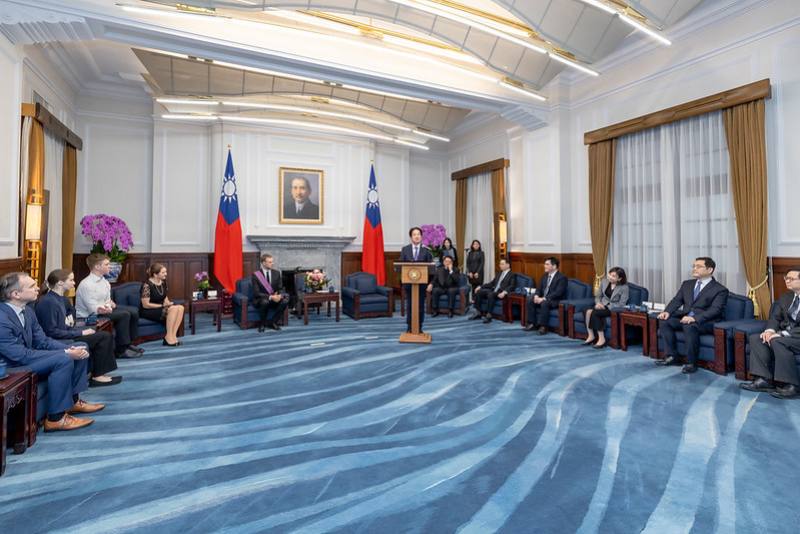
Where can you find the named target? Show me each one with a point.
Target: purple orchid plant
(433, 235)
(110, 235)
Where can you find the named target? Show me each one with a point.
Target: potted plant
(433, 235)
(203, 283)
(316, 280)
(110, 236)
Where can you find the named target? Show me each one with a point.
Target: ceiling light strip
(185, 102)
(432, 136)
(519, 88)
(625, 17)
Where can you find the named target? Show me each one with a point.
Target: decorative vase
(115, 269)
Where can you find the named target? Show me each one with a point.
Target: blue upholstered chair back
(244, 287)
(523, 282)
(578, 290)
(299, 282)
(127, 294)
(637, 294)
(738, 307)
(366, 283)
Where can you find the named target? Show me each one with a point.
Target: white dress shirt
(93, 292)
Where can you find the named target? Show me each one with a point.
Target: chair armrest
(750, 327)
(350, 292)
(383, 290)
(729, 326)
(580, 304)
(238, 298)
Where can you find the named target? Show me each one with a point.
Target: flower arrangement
(433, 235)
(316, 280)
(203, 283)
(110, 235)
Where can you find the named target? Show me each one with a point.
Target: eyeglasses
(791, 278)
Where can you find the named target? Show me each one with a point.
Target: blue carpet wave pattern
(339, 428)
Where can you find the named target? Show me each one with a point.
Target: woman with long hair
(156, 306)
(448, 250)
(475, 264)
(56, 316)
(613, 294)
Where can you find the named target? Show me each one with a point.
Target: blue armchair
(577, 292)
(741, 344)
(576, 317)
(129, 294)
(716, 350)
(244, 313)
(362, 297)
(462, 299)
(504, 309)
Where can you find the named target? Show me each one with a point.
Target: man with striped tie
(773, 351)
(698, 305)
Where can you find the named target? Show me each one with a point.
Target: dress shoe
(542, 331)
(530, 327)
(98, 384)
(435, 313)
(66, 423)
(260, 328)
(450, 314)
(137, 348)
(487, 319)
(689, 368)
(85, 407)
(475, 316)
(669, 360)
(789, 391)
(130, 354)
(759, 384)
(601, 346)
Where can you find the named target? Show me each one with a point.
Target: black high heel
(176, 344)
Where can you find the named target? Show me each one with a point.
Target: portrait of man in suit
(301, 196)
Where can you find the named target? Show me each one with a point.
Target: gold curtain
(601, 202)
(69, 185)
(461, 217)
(744, 129)
(36, 163)
(499, 191)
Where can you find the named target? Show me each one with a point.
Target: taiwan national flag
(372, 249)
(228, 234)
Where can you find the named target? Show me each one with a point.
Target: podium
(416, 274)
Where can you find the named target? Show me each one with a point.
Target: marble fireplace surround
(290, 252)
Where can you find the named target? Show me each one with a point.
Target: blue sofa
(577, 291)
(129, 294)
(741, 344)
(362, 297)
(716, 350)
(576, 315)
(244, 313)
(462, 299)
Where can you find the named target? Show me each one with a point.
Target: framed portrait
(301, 196)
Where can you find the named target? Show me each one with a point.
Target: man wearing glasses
(773, 351)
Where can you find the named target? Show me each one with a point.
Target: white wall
(10, 100)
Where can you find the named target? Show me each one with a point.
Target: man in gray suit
(773, 352)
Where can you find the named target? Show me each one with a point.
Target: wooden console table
(212, 305)
(636, 319)
(521, 300)
(319, 298)
(17, 408)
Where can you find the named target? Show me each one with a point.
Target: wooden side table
(319, 298)
(15, 408)
(212, 305)
(517, 299)
(636, 319)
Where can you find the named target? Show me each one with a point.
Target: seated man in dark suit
(445, 282)
(552, 290)
(23, 344)
(773, 352)
(498, 288)
(268, 298)
(698, 304)
(415, 252)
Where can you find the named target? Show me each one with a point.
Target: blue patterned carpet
(339, 428)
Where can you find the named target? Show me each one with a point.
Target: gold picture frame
(292, 192)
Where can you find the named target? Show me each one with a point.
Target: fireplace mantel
(294, 251)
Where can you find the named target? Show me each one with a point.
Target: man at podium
(415, 252)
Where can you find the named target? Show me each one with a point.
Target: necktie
(499, 281)
(696, 290)
(22, 318)
(547, 285)
(416, 253)
(794, 307)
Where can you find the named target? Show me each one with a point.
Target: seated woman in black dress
(156, 306)
(613, 294)
(56, 316)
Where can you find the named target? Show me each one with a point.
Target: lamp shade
(502, 230)
(33, 222)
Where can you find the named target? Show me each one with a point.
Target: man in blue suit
(698, 305)
(416, 252)
(24, 344)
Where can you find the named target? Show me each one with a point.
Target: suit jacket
(424, 256)
(259, 293)
(619, 296)
(709, 306)
(508, 282)
(445, 280)
(52, 311)
(558, 287)
(19, 346)
(780, 319)
(310, 211)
